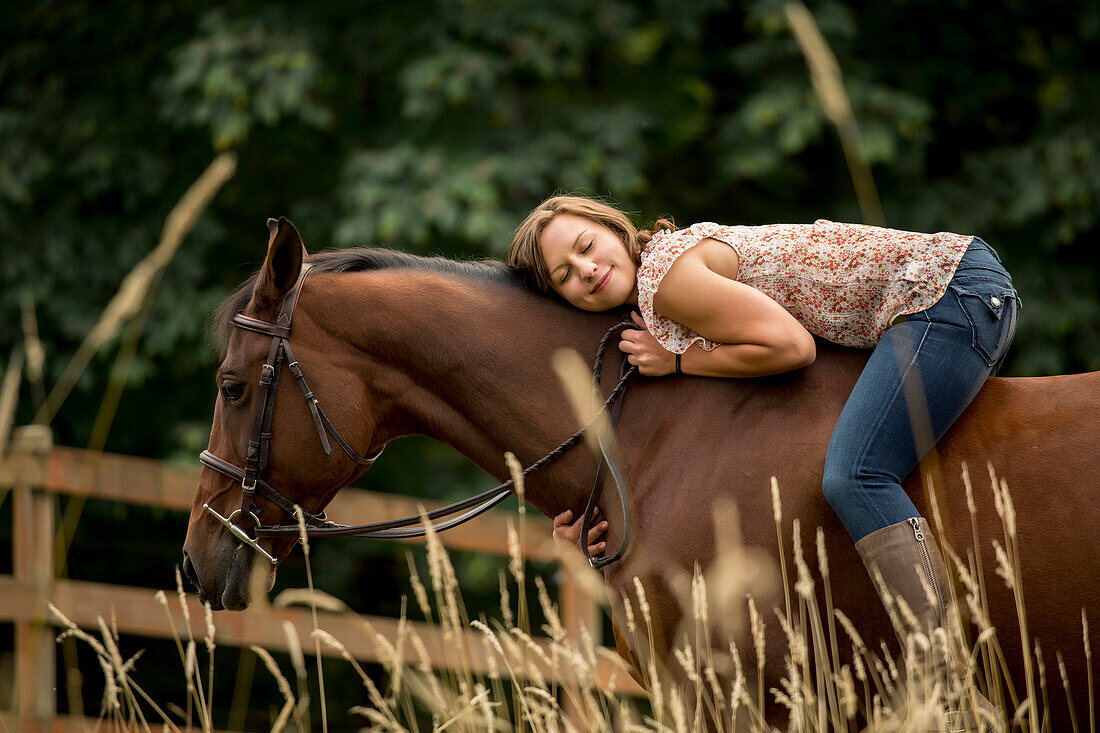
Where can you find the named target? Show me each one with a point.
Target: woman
(938, 310)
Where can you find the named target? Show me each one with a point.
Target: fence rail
(35, 470)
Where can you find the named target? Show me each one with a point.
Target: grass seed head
(419, 591)
(796, 642)
(488, 634)
(679, 715)
(183, 601)
(756, 624)
(909, 620)
(208, 616)
(686, 660)
(997, 501)
(699, 604)
(483, 705)
(1004, 565)
(777, 505)
(1084, 632)
(889, 659)
(515, 555)
(110, 685)
(109, 643)
(311, 597)
(515, 469)
(628, 611)
(1009, 510)
(737, 689)
(804, 586)
(858, 666)
(505, 602)
(294, 647)
(303, 535)
(970, 505)
(534, 646)
(553, 627)
(822, 555)
(850, 630)
(643, 605)
(190, 664)
(129, 664)
(492, 657)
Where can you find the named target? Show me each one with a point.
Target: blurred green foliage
(435, 125)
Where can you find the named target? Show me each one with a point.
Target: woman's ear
(282, 266)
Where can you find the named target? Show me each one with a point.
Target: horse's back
(1043, 426)
(1040, 438)
(1040, 435)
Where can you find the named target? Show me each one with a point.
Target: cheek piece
(316, 523)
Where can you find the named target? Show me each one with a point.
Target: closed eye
(568, 270)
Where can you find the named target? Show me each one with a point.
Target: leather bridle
(316, 523)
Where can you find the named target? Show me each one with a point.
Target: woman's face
(588, 263)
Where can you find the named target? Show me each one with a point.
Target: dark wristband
(679, 370)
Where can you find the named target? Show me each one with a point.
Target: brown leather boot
(905, 559)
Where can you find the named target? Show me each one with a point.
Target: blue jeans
(924, 372)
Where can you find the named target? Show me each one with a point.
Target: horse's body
(462, 354)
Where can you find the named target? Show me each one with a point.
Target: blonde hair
(524, 252)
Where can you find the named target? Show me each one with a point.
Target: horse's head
(265, 434)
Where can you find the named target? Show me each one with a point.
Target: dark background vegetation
(432, 126)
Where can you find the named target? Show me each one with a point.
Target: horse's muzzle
(192, 575)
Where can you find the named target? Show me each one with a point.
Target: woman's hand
(570, 533)
(643, 351)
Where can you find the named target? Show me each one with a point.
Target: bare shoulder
(703, 262)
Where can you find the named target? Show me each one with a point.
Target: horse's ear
(283, 264)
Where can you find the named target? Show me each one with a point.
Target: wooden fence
(35, 470)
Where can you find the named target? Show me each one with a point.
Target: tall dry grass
(835, 679)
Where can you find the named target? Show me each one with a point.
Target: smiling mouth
(602, 283)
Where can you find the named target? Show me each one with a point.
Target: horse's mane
(363, 259)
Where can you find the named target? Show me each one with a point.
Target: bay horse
(395, 345)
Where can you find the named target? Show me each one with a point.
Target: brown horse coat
(462, 353)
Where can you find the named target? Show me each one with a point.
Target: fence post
(33, 563)
(579, 610)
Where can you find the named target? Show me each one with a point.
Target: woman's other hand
(569, 532)
(644, 352)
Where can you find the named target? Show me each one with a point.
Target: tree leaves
(242, 72)
(435, 125)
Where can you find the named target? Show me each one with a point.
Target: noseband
(316, 523)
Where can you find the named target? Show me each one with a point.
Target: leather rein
(317, 524)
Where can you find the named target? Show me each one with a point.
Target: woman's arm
(759, 336)
(746, 360)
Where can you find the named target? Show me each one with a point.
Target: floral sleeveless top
(844, 282)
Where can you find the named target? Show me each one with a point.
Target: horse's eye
(232, 391)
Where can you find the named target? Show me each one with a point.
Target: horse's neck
(468, 363)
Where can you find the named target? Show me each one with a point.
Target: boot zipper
(914, 522)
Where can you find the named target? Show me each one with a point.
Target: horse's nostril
(189, 571)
